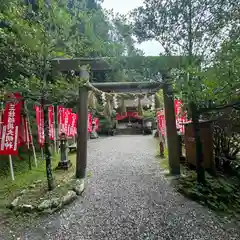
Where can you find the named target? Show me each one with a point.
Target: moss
(221, 193)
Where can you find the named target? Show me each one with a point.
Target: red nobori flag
(69, 130)
(161, 122)
(60, 118)
(180, 115)
(69, 124)
(10, 128)
(96, 121)
(40, 125)
(51, 122)
(1, 122)
(73, 124)
(67, 113)
(89, 122)
(22, 139)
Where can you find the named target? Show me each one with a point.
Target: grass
(221, 193)
(23, 179)
(162, 161)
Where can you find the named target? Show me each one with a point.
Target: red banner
(40, 125)
(89, 122)
(51, 122)
(73, 124)
(60, 119)
(66, 114)
(128, 114)
(96, 121)
(1, 121)
(180, 116)
(161, 122)
(10, 128)
(22, 139)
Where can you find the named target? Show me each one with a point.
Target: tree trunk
(47, 151)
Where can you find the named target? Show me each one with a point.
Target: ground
(127, 197)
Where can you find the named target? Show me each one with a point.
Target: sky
(150, 48)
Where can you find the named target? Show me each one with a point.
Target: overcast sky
(150, 48)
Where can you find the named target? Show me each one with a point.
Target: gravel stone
(14, 203)
(55, 202)
(45, 205)
(69, 197)
(128, 197)
(26, 208)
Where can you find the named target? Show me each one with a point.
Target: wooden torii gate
(67, 65)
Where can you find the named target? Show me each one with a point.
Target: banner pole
(11, 168)
(27, 140)
(30, 132)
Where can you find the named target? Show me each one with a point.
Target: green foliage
(148, 114)
(32, 35)
(220, 194)
(180, 26)
(181, 29)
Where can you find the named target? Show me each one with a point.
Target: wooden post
(172, 137)
(199, 154)
(82, 129)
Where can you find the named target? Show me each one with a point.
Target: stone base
(79, 186)
(64, 165)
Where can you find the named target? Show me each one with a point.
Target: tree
(191, 28)
(32, 33)
(183, 26)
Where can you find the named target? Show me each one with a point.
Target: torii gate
(98, 64)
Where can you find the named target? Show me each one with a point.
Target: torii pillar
(172, 137)
(82, 132)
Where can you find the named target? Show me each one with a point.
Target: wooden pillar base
(174, 171)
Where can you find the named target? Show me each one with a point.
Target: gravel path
(127, 197)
